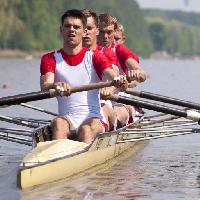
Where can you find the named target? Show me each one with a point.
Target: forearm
(46, 86)
(132, 64)
(47, 81)
(135, 71)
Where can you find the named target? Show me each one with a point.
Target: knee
(84, 130)
(59, 123)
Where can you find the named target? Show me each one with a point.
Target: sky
(184, 5)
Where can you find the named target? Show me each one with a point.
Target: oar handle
(91, 86)
(189, 114)
(165, 99)
(34, 96)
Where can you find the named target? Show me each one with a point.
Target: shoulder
(98, 55)
(112, 57)
(121, 47)
(48, 63)
(50, 55)
(124, 51)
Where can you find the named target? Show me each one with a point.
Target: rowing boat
(54, 160)
(58, 159)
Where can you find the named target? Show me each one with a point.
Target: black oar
(34, 96)
(189, 114)
(165, 99)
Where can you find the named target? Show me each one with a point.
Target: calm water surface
(163, 169)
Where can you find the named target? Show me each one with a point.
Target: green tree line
(175, 32)
(34, 25)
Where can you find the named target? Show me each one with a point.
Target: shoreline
(16, 53)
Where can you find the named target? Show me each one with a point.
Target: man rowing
(90, 41)
(119, 34)
(128, 61)
(70, 66)
(120, 38)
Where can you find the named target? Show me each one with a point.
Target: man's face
(119, 37)
(106, 34)
(91, 33)
(72, 31)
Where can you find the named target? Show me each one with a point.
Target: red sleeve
(100, 63)
(112, 57)
(123, 53)
(48, 63)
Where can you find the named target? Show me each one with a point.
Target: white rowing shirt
(82, 105)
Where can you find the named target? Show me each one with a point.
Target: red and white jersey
(123, 53)
(112, 57)
(113, 60)
(84, 68)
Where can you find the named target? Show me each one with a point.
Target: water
(164, 169)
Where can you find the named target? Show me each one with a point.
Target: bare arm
(47, 81)
(110, 74)
(132, 64)
(116, 69)
(135, 71)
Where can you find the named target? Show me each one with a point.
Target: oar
(18, 122)
(189, 114)
(159, 136)
(15, 133)
(34, 96)
(16, 139)
(165, 99)
(38, 109)
(35, 121)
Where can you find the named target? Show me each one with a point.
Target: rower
(74, 65)
(133, 111)
(119, 34)
(128, 61)
(90, 41)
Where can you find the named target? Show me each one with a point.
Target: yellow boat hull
(53, 169)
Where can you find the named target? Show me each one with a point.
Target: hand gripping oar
(34, 96)
(189, 114)
(165, 99)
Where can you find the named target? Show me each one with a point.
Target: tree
(158, 35)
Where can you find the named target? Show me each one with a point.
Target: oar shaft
(15, 133)
(195, 116)
(22, 98)
(38, 109)
(34, 96)
(16, 121)
(165, 99)
(20, 141)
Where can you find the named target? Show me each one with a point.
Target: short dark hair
(75, 14)
(90, 13)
